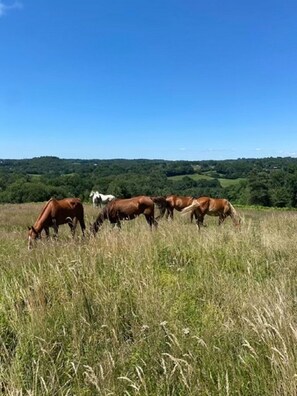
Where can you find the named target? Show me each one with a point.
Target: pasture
(134, 312)
(198, 176)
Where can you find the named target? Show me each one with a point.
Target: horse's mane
(234, 212)
(105, 212)
(101, 216)
(44, 208)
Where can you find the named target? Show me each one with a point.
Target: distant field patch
(194, 176)
(230, 182)
(224, 182)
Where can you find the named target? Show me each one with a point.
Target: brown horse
(176, 202)
(55, 213)
(127, 209)
(213, 207)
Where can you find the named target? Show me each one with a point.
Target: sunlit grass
(134, 312)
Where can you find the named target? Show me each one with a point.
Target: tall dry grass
(134, 312)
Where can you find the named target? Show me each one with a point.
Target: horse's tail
(191, 207)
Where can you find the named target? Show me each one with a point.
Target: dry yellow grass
(134, 312)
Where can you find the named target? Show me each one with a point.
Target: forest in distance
(270, 182)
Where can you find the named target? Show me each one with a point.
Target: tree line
(265, 182)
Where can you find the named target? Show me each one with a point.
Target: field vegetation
(134, 312)
(223, 182)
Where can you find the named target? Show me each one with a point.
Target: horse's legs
(55, 227)
(46, 229)
(195, 215)
(199, 221)
(72, 224)
(82, 226)
(151, 221)
(169, 213)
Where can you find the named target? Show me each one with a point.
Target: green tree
(258, 189)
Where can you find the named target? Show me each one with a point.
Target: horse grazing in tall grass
(99, 199)
(213, 207)
(55, 213)
(176, 202)
(127, 209)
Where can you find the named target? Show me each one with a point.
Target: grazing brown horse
(127, 209)
(176, 202)
(55, 213)
(213, 207)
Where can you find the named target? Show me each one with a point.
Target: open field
(196, 176)
(134, 312)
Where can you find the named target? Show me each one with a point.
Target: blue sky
(172, 79)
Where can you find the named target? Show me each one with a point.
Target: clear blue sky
(172, 79)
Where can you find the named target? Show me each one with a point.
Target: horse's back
(67, 207)
(120, 205)
(182, 202)
(179, 202)
(219, 204)
(69, 201)
(213, 205)
(129, 206)
(106, 198)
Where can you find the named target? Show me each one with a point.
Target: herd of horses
(70, 211)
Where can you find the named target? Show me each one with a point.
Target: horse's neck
(102, 216)
(39, 223)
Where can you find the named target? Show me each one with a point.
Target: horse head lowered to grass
(57, 212)
(213, 207)
(128, 209)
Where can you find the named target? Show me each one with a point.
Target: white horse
(104, 199)
(95, 199)
(99, 199)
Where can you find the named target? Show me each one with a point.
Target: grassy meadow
(197, 176)
(134, 312)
